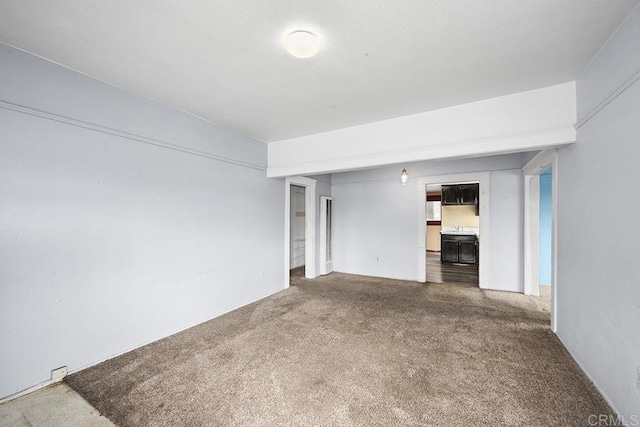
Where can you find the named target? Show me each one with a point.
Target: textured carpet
(348, 350)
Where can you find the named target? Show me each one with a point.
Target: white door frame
(323, 235)
(309, 226)
(484, 179)
(531, 171)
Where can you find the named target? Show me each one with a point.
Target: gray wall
(122, 221)
(376, 219)
(507, 231)
(598, 277)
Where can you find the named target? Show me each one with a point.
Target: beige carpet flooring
(354, 351)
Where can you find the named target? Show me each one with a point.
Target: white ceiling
(223, 60)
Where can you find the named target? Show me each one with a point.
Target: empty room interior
(319, 213)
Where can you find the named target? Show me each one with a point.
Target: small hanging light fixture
(404, 176)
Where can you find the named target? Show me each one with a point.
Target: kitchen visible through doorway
(452, 233)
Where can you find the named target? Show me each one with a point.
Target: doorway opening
(299, 219)
(540, 225)
(478, 232)
(546, 234)
(453, 230)
(326, 225)
(297, 231)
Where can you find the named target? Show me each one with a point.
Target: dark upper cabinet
(450, 194)
(460, 194)
(469, 194)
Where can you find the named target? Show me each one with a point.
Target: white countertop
(461, 231)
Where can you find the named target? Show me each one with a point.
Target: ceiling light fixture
(404, 176)
(302, 44)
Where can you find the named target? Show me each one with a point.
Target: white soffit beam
(524, 121)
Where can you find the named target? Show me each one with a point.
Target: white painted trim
(532, 235)
(635, 76)
(484, 179)
(498, 144)
(30, 390)
(309, 225)
(113, 356)
(323, 235)
(126, 135)
(554, 243)
(540, 162)
(532, 170)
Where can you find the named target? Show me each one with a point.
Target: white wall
(519, 122)
(375, 229)
(598, 278)
(376, 219)
(123, 221)
(507, 231)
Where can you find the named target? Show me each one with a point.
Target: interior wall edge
(586, 373)
(597, 290)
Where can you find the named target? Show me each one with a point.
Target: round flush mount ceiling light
(302, 44)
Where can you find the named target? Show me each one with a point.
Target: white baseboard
(30, 390)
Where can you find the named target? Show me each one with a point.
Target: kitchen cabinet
(460, 194)
(457, 248)
(469, 194)
(467, 252)
(449, 250)
(450, 194)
